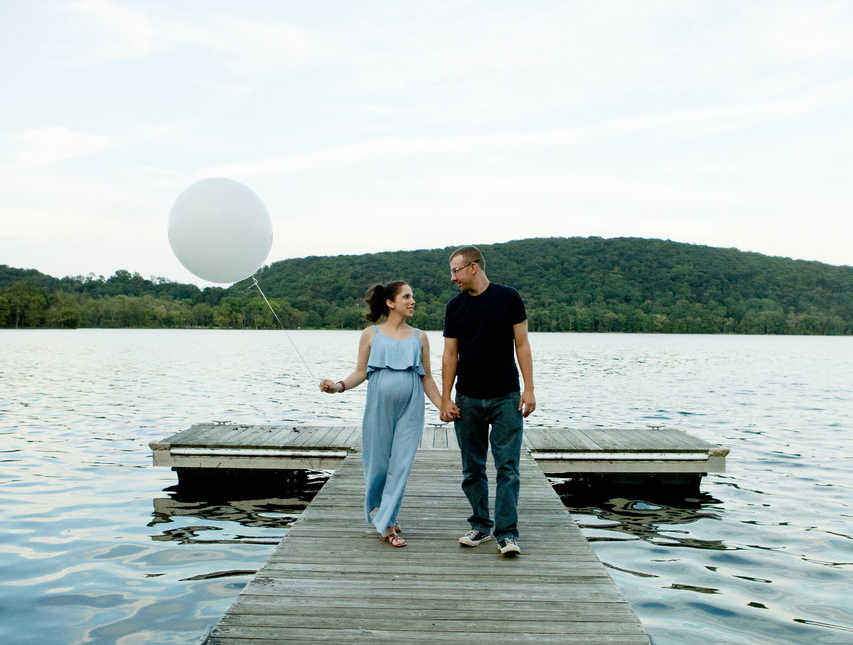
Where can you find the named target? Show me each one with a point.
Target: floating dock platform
(332, 580)
(652, 450)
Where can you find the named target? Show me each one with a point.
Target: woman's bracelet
(343, 387)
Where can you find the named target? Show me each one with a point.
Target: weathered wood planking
(332, 580)
(557, 450)
(623, 450)
(215, 445)
(441, 437)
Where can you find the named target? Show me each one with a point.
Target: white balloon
(220, 230)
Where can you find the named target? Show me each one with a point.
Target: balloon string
(295, 348)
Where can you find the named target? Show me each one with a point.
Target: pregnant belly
(394, 386)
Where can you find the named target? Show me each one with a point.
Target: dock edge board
(549, 462)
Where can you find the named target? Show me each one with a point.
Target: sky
(381, 126)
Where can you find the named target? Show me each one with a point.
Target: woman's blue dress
(393, 424)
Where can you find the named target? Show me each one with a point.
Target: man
(482, 325)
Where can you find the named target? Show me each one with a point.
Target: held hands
(449, 411)
(527, 403)
(330, 387)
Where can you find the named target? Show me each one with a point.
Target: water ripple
(97, 546)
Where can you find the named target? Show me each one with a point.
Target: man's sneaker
(474, 538)
(509, 546)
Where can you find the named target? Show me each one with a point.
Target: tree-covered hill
(568, 284)
(594, 284)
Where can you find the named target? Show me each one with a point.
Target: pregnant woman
(394, 358)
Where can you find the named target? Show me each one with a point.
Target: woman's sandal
(393, 539)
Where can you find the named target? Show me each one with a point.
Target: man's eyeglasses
(458, 269)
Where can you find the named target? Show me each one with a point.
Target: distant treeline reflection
(569, 284)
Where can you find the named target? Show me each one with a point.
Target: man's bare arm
(524, 354)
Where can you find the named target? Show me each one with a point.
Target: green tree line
(568, 284)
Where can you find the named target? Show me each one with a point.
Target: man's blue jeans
(472, 433)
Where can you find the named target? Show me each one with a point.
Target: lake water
(93, 548)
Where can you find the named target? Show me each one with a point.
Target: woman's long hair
(377, 294)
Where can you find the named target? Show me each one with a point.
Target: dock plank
(310, 436)
(473, 610)
(357, 635)
(227, 434)
(644, 439)
(396, 622)
(352, 438)
(342, 438)
(439, 438)
(332, 580)
(427, 438)
(568, 439)
(284, 435)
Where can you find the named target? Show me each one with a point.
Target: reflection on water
(650, 518)
(267, 512)
(255, 512)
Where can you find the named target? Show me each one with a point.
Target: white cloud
(47, 145)
(109, 32)
(792, 34)
(112, 32)
(252, 47)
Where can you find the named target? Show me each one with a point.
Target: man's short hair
(470, 254)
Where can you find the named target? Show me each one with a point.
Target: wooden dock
(331, 580)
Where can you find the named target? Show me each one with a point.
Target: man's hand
(449, 411)
(527, 404)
